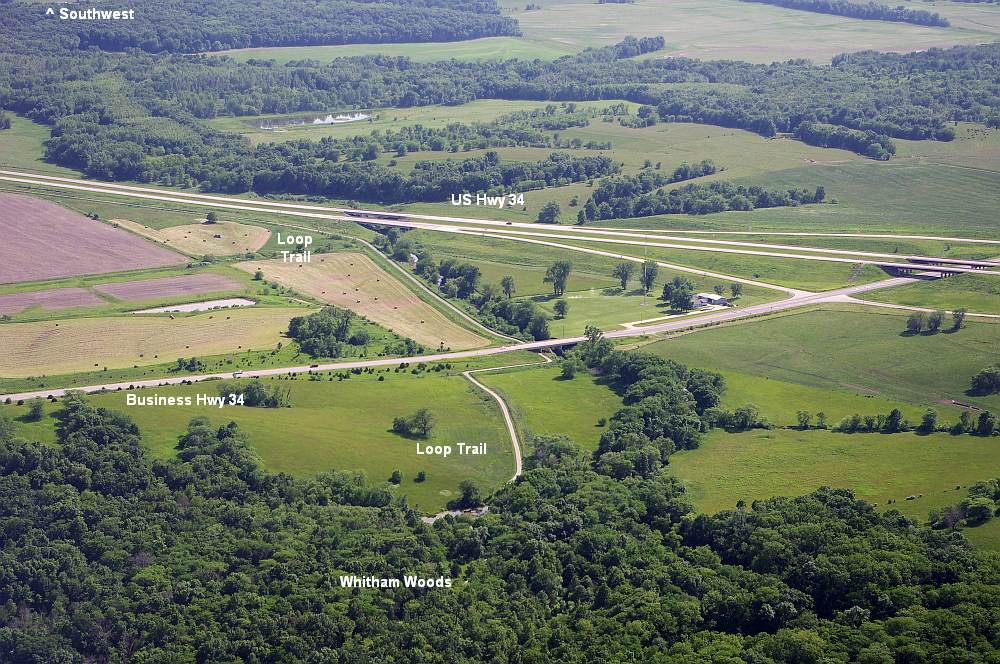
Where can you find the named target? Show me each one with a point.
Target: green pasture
(732, 30)
(848, 349)
(21, 147)
(974, 292)
(343, 425)
(487, 48)
(779, 401)
(877, 467)
(543, 403)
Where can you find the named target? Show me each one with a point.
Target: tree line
(634, 196)
(872, 11)
(190, 26)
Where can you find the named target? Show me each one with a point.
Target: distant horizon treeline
(872, 11)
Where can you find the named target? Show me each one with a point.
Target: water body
(200, 306)
(328, 119)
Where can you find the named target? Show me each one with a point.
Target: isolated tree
(736, 289)
(507, 284)
(623, 273)
(915, 323)
(561, 307)
(549, 214)
(648, 275)
(396, 477)
(258, 275)
(957, 319)
(558, 275)
(804, 418)
(719, 290)
(421, 476)
(934, 320)
(36, 410)
(820, 420)
(469, 494)
(422, 422)
(986, 381)
(212, 217)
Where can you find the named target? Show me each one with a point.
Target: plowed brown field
(41, 240)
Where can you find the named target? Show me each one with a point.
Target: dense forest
(864, 10)
(193, 26)
(107, 554)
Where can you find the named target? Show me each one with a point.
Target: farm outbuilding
(702, 299)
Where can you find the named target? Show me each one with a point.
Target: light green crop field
(728, 29)
(487, 48)
(853, 350)
(344, 425)
(877, 467)
(975, 292)
(543, 403)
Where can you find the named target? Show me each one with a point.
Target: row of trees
(863, 10)
(254, 394)
(494, 305)
(932, 321)
(635, 196)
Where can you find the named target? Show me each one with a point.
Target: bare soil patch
(42, 240)
(152, 289)
(55, 298)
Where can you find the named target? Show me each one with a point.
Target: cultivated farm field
(142, 290)
(53, 299)
(43, 240)
(224, 238)
(732, 30)
(354, 281)
(86, 344)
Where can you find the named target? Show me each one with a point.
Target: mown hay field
(68, 346)
(200, 239)
(354, 281)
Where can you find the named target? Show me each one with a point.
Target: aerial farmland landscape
(343, 331)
